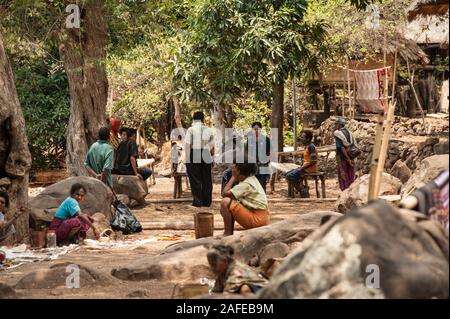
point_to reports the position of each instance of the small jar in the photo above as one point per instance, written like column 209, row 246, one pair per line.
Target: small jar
column 51, row 238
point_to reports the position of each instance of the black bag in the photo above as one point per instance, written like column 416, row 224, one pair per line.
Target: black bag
column 353, row 151
column 123, row 219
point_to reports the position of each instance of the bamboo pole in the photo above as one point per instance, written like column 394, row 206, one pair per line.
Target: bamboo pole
column 349, row 88
column 411, row 85
column 343, row 97
column 372, row 194
column 386, row 136
column 294, row 113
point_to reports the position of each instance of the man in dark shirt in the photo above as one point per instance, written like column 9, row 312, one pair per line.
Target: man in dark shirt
column 145, row 172
column 126, row 158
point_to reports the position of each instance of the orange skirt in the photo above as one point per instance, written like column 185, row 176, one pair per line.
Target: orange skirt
column 248, row 218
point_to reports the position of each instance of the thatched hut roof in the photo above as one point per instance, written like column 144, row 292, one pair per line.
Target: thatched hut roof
column 427, row 8
column 431, row 29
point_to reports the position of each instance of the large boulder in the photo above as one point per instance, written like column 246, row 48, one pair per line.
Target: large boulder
column 441, row 148
column 251, row 242
column 184, row 265
column 187, row 260
column 57, row 275
column 132, row 186
column 401, row 171
column 377, row 251
column 6, row 292
column 98, row 199
column 427, row 171
column 357, row 194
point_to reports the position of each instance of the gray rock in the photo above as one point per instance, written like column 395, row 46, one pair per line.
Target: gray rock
column 56, row 276
column 187, row 264
column 98, row 199
column 272, row 251
column 357, row 194
column 7, row 292
column 187, row 260
column 441, row 148
column 124, row 199
column 429, row 168
column 401, row 171
column 342, row 259
column 131, row 186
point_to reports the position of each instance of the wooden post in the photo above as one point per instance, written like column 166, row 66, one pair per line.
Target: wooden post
column 373, row 194
column 411, row 85
column 294, row 113
column 386, row 136
column 349, row 88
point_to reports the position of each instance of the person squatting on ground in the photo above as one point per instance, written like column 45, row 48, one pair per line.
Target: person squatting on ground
column 345, row 165
column 245, row 202
column 199, row 148
column 69, row 222
column 100, row 158
column 296, row 176
column 7, row 226
column 233, row 276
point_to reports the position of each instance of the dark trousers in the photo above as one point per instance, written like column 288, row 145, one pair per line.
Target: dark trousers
column 201, row 183
column 145, row 172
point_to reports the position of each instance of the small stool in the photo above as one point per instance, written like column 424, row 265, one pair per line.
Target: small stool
column 316, row 176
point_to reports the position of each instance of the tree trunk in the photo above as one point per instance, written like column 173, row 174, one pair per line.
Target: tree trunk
column 15, row 157
column 177, row 114
column 83, row 52
column 218, row 118
column 277, row 118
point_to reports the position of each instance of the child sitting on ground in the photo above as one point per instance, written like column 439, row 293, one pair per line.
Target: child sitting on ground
column 232, row 276
column 245, row 202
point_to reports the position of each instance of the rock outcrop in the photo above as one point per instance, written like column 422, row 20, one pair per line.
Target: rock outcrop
column 132, row 186
column 357, row 194
column 376, row 251
column 429, row 169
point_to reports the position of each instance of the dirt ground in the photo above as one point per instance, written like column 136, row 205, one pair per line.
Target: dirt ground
column 152, row 216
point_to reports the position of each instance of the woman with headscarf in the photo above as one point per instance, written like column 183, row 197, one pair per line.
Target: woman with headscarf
column 346, row 166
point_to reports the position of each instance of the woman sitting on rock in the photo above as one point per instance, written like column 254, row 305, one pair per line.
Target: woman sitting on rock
column 232, row 276
column 69, row 222
column 245, row 202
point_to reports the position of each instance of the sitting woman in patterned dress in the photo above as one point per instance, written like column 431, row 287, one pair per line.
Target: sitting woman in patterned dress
column 69, row 222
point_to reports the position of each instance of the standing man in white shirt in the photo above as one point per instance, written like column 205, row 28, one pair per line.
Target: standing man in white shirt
column 199, row 158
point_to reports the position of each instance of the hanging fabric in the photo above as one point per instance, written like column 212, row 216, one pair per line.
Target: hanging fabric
column 369, row 94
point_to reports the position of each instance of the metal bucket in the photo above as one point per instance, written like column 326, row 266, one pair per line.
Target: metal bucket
column 204, row 224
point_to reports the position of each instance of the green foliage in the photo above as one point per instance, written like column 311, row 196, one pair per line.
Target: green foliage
column 43, row 95
column 233, row 46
